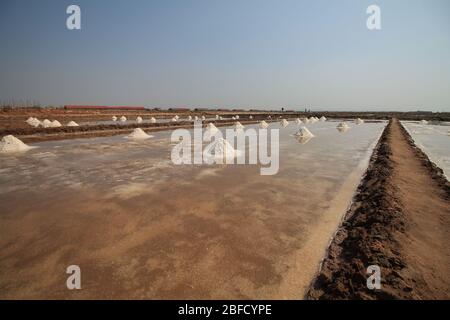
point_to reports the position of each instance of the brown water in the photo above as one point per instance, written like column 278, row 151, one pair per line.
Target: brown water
column 140, row 227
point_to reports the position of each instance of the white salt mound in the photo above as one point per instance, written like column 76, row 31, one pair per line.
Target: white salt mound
column 424, row 122
column 217, row 116
column 298, row 121
column 263, row 125
column 250, row 117
column 174, row 119
column 139, row 119
column 114, row 118
column 152, row 120
column 322, row 118
column 139, row 134
column 189, row 118
column 46, row 123
column 123, row 118
column 55, row 124
column 305, row 120
column 284, row 123
column 359, row 121
column 203, row 118
column 72, row 124
column 233, row 118
column 12, row 144
column 220, row 149
column 304, row 133
column 29, row 120
column 177, row 117
column 343, row 126
column 237, row 117
column 238, row 125
column 210, row 131
column 34, row 122
column 196, row 118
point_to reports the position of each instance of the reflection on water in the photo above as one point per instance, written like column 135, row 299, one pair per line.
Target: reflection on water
column 433, row 138
column 141, row 227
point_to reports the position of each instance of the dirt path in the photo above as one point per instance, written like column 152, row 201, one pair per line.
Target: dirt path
column 400, row 221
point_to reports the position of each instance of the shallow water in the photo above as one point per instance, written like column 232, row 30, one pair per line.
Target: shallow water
column 434, row 140
column 142, row 227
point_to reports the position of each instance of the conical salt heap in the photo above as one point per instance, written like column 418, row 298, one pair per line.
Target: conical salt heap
column 114, row 118
column 196, row 118
column 305, row 120
column 298, row 121
column 189, row 118
column 217, row 117
column 72, row 124
column 55, row 124
column 152, row 120
column 263, row 125
column 284, row 123
column 342, row 127
column 220, row 149
column 237, row 117
column 10, row 143
column 304, row 132
column 139, row 134
column 34, row 122
column 139, row 119
column 359, row 121
column 238, row 125
column 424, row 122
column 46, row 123
column 123, row 118
column 174, row 119
column 250, row 117
column 322, row 118
column 210, row 131
column 203, row 118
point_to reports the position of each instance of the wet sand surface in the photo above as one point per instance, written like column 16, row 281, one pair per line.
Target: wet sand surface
column 140, row 227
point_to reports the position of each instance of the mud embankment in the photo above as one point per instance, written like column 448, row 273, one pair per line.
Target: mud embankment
column 382, row 228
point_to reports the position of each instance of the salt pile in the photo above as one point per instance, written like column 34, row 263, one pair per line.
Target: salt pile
column 233, row 118
column 305, row 120
column 139, row 120
column 220, row 149
column 10, row 143
column 123, row 118
column 189, row 118
column 284, row 123
column 263, row 125
column 269, row 117
column 72, row 124
column 322, row 118
column 203, row 118
column 196, row 118
column 114, row 118
column 152, row 120
column 177, row 117
column 424, row 122
column 298, row 121
column 304, row 132
column 312, row 120
column 342, row 127
column 238, row 125
column 210, row 131
column 34, row 122
column 174, row 119
column 359, row 121
column 138, row 134
column 46, row 123
column 237, row 117
column 55, row 124
column 250, row 117
column 217, row 117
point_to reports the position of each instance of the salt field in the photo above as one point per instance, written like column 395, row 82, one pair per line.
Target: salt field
column 141, row 227
column 434, row 139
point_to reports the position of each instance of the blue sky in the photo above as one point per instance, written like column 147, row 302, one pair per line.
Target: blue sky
column 229, row 53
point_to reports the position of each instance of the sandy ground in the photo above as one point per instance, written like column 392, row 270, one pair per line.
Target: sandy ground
column 400, row 220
